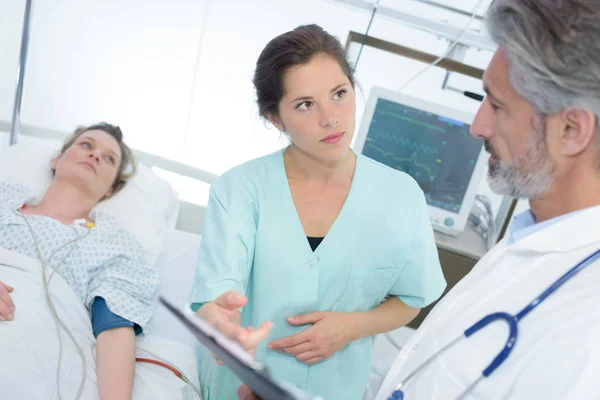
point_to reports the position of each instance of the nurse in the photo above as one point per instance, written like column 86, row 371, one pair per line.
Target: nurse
column 329, row 246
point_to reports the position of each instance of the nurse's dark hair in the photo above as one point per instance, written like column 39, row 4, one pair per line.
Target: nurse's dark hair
column 296, row 47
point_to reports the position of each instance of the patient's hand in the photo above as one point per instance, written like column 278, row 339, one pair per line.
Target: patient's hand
column 223, row 314
column 244, row 393
column 7, row 307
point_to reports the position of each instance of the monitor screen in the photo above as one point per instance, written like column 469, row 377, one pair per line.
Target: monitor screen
column 437, row 151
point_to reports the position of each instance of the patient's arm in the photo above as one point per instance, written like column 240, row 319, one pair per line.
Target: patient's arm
column 115, row 358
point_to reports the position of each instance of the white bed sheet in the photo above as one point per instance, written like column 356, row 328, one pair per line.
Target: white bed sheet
column 28, row 364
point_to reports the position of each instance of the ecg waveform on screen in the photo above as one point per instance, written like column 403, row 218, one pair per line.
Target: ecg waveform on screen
column 408, row 119
column 403, row 141
column 413, row 159
column 437, row 151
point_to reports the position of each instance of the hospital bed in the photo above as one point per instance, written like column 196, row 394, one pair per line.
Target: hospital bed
column 179, row 245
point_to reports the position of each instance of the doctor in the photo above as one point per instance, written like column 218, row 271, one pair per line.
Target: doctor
column 541, row 128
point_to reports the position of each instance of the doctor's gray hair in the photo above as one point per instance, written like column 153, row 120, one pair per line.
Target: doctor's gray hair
column 553, row 48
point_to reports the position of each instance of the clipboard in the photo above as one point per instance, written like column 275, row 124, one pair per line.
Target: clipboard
column 236, row 358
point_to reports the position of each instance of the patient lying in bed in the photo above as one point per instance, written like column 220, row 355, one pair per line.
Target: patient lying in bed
column 97, row 259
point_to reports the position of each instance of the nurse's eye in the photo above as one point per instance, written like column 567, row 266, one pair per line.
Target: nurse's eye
column 305, row 105
column 340, row 94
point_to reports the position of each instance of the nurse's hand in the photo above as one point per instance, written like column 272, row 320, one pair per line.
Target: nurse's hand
column 7, row 307
column 329, row 333
column 245, row 393
column 223, row 313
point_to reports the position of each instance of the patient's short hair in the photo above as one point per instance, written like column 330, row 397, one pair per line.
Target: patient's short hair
column 126, row 168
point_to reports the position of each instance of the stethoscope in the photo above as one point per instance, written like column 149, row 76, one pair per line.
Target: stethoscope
column 511, row 320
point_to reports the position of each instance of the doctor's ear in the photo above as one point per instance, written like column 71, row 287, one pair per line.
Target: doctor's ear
column 275, row 121
column 580, row 126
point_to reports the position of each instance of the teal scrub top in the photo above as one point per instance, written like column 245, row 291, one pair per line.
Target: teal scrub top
column 380, row 245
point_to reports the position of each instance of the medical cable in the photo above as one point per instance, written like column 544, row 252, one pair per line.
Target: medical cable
column 481, row 219
column 450, row 48
column 366, row 35
column 162, row 363
column 58, row 322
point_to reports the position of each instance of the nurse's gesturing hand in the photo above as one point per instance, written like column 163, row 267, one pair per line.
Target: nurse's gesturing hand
column 7, row 307
column 329, row 333
column 223, row 313
column 245, row 393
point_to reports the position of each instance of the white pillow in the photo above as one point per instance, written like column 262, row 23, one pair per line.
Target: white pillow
column 144, row 206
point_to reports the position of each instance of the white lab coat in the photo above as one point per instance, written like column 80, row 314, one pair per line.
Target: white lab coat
column 557, row 353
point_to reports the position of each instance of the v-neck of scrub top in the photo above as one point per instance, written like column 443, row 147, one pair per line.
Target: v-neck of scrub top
column 314, row 242
column 295, row 217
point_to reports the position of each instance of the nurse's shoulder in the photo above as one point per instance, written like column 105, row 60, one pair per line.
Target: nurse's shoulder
column 242, row 185
column 391, row 184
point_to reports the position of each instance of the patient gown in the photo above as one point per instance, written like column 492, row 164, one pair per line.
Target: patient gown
column 106, row 262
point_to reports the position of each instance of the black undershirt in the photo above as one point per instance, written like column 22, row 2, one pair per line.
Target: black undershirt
column 314, row 242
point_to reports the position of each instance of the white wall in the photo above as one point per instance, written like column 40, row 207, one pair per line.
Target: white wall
column 225, row 129
column 176, row 75
column 11, row 20
column 129, row 62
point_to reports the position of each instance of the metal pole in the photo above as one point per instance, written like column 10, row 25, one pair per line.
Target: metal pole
column 449, row 8
column 16, row 117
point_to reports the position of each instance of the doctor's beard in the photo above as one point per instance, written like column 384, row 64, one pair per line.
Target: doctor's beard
column 529, row 176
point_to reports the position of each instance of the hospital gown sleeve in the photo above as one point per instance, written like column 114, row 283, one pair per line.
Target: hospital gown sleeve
column 127, row 285
column 104, row 320
column 420, row 281
column 227, row 246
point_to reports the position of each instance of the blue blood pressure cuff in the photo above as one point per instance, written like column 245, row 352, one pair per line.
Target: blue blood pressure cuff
column 103, row 319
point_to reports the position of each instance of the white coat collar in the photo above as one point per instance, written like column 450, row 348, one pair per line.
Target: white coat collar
column 578, row 230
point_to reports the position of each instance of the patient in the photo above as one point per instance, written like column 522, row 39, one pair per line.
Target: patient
column 104, row 266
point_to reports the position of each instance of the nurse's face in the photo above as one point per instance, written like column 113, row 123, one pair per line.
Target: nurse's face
column 515, row 137
column 318, row 109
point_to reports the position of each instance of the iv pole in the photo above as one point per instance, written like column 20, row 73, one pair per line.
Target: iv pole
column 16, row 117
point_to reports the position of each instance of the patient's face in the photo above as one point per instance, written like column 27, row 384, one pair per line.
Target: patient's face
column 318, row 108
column 91, row 163
column 515, row 137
